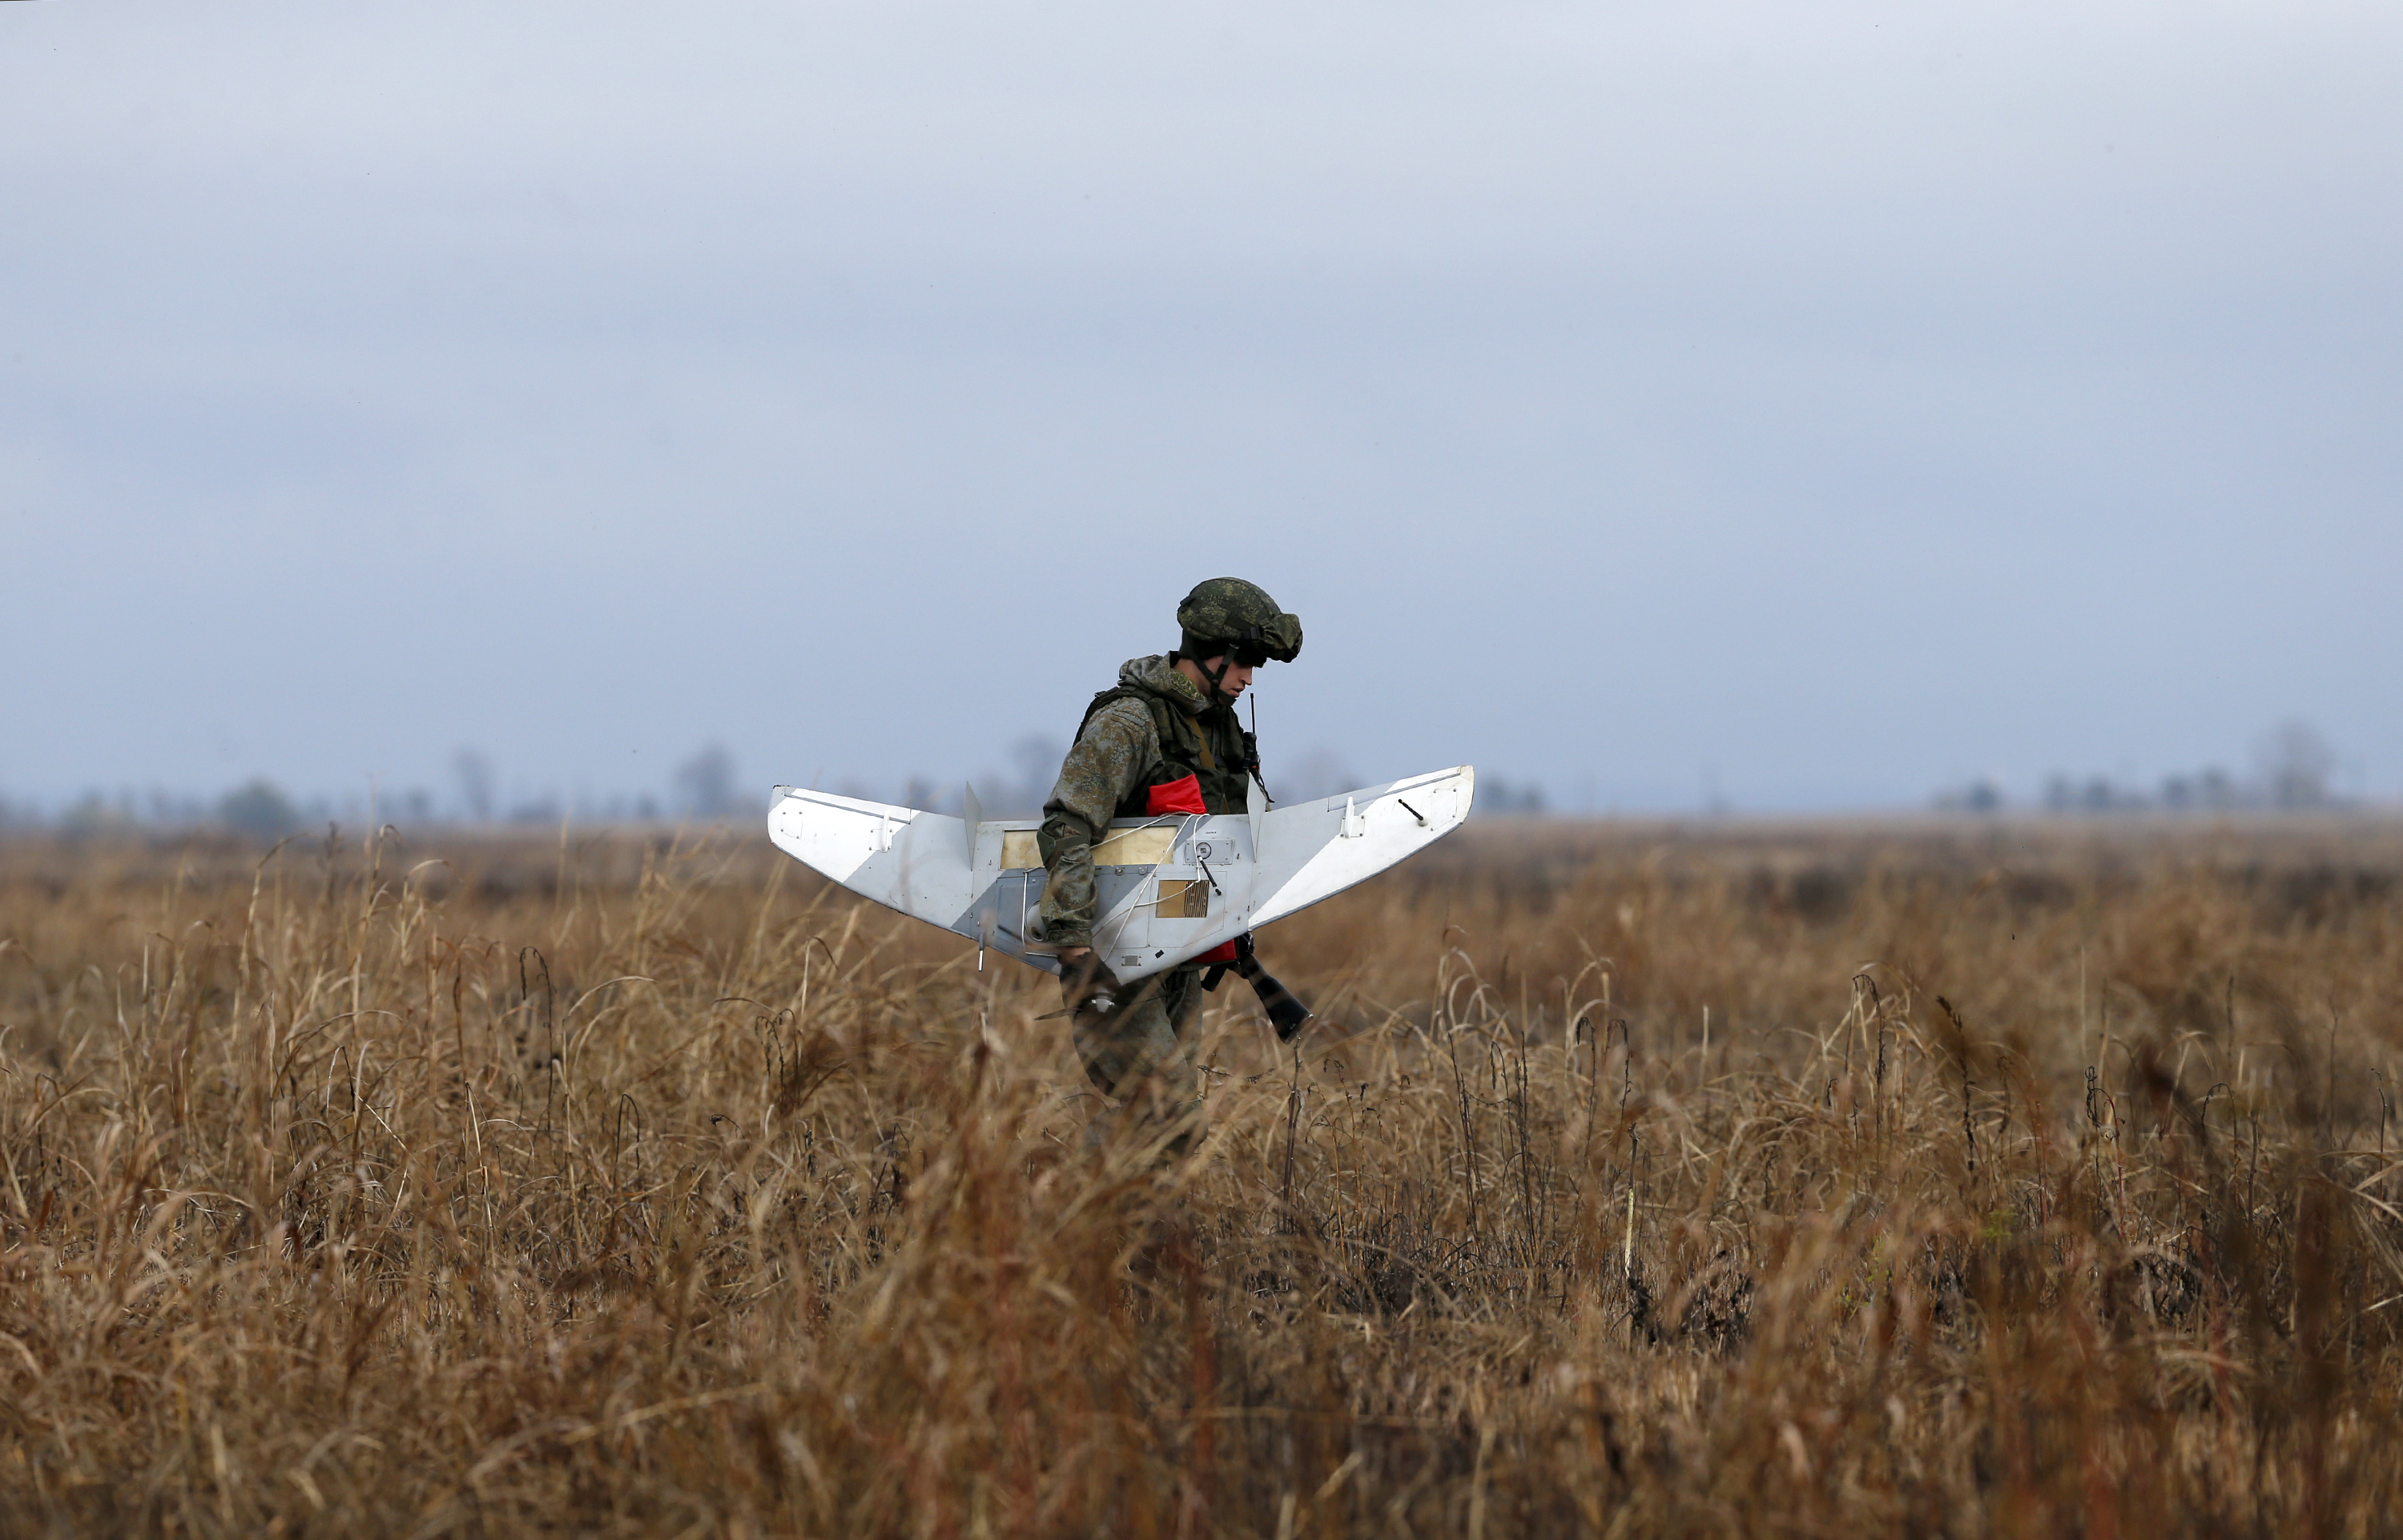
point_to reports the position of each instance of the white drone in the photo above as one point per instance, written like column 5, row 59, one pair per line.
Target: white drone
column 1169, row 887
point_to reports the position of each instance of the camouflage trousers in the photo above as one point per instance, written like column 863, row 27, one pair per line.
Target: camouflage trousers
column 1141, row 1055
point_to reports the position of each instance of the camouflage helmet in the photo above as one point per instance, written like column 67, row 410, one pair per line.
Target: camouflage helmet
column 1225, row 614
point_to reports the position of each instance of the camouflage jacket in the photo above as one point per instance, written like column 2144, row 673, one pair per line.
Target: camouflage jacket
column 1118, row 756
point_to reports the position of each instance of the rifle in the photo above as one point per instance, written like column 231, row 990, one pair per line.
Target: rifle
column 1284, row 1006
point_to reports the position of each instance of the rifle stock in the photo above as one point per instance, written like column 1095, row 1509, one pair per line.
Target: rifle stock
column 1284, row 1006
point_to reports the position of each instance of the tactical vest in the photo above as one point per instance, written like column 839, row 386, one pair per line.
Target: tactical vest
column 1211, row 746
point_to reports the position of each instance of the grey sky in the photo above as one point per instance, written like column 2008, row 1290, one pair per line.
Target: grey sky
column 1840, row 400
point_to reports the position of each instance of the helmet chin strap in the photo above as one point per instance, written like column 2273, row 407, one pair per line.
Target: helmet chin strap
column 1217, row 697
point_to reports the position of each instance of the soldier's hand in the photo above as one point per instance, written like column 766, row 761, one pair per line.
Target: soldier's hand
column 1089, row 986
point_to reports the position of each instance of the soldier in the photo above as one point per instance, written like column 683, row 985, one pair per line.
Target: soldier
column 1164, row 741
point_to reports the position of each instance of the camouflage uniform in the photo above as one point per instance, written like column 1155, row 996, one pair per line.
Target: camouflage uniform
column 1156, row 727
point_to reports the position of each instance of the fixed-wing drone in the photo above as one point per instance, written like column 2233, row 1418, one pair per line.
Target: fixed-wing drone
column 1170, row 887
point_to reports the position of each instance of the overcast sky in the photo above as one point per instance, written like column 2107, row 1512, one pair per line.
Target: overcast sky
column 1822, row 403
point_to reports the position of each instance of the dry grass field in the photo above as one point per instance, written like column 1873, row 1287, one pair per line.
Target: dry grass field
column 1960, row 1180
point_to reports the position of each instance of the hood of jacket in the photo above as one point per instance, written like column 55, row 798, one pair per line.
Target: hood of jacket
column 1155, row 675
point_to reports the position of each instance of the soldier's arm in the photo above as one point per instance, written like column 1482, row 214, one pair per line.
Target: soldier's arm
column 1108, row 761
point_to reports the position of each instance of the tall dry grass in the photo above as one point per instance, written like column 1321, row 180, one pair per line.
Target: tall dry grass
column 2017, row 1183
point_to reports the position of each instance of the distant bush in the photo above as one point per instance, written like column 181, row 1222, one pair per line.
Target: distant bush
column 705, row 784
column 1500, row 794
column 260, row 808
column 94, row 814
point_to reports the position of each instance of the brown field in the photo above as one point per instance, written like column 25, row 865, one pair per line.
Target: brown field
column 2024, row 1181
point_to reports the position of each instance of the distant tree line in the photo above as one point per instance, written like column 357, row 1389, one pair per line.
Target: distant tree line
column 705, row 788
column 2294, row 770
